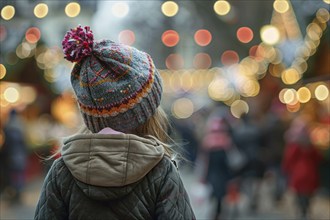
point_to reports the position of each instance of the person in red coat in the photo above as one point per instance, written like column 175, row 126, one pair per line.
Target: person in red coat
column 301, row 164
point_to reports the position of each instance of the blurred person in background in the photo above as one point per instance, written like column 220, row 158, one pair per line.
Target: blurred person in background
column 119, row 165
column 273, row 126
column 3, row 166
column 14, row 152
column 217, row 140
column 248, row 138
column 185, row 129
column 301, row 164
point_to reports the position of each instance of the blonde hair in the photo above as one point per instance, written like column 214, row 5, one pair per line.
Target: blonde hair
column 158, row 126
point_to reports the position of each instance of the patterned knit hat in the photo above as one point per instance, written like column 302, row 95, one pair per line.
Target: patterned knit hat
column 116, row 85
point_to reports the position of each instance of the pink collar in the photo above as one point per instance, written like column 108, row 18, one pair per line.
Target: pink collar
column 108, row 130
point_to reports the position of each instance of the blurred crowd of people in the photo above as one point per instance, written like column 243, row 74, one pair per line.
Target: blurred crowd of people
column 233, row 156
column 230, row 156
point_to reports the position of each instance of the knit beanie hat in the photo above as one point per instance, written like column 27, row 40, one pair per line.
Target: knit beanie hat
column 116, row 85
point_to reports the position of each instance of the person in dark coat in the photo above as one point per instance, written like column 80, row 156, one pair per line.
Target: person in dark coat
column 15, row 154
column 248, row 138
column 216, row 142
column 119, row 165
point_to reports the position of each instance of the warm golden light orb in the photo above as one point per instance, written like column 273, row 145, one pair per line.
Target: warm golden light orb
column 221, row 7
column 40, row 10
column 8, row 12
column 72, row 9
column 170, row 8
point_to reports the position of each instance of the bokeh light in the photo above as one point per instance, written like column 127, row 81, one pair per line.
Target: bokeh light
column 202, row 61
column 266, row 51
column 120, row 9
column 281, row 95
column 64, row 111
column 294, row 107
column 304, row 95
column 238, row 108
column 322, row 15
column 170, row 8
column 182, row 108
column 11, row 95
column 263, row 51
column 253, row 52
column 72, row 9
column 221, row 7
column 281, row 6
column 174, row 82
column 186, row 81
column 326, row 1
column 3, row 71
column 314, row 31
column 50, row 75
column 32, row 35
column 321, row 92
column 248, row 67
column 21, row 52
column 40, row 10
column 174, row 61
column 28, row 94
column 249, row 88
column 203, row 37
column 229, row 57
column 278, row 57
column 7, row 12
column 320, row 137
column 270, row 34
column 300, row 65
column 290, row 96
column 276, row 69
column 220, row 90
column 234, row 98
column 170, row 38
column 126, row 37
column 290, row 76
column 244, row 34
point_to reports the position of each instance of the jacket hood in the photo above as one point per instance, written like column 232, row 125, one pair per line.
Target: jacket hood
column 103, row 162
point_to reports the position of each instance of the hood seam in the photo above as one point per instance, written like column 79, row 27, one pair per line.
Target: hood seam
column 88, row 152
column 128, row 148
column 108, row 136
column 89, row 162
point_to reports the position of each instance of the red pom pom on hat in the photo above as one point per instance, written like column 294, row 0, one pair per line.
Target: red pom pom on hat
column 78, row 43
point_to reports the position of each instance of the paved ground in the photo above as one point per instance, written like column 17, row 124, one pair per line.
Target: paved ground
column 25, row 209
column 268, row 210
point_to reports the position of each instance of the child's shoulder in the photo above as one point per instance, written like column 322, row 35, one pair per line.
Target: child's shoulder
column 165, row 167
column 59, row 168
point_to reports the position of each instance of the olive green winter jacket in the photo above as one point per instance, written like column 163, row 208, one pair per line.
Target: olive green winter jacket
column 113, row 176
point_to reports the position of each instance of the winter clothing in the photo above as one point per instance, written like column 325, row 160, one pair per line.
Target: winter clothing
column 248, row 139
column 216, row 142
column 105, row 173
column 14, row 155
column 116, row 85
column 301, row 165
column 113, row 176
